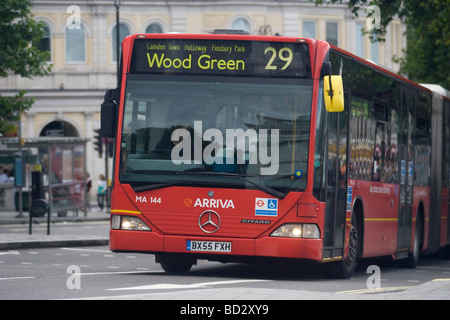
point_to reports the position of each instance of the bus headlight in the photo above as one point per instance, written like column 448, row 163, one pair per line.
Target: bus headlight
column 128, row 223
column 297, row 230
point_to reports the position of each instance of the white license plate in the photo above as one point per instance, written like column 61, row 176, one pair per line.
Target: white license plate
column 208, row 246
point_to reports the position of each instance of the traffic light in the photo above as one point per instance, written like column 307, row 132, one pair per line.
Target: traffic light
column 98, row 142
column 111, row 148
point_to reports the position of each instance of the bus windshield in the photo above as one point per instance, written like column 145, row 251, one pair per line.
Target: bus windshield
column 213, row 131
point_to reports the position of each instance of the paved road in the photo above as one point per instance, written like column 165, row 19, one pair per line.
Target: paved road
column 97, row 273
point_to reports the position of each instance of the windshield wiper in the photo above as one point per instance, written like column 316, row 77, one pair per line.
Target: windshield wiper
column 162, row 185
column 261, row 187
column 155, row 186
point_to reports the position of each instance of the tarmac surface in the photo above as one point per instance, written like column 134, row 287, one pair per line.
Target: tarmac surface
column 438, row 289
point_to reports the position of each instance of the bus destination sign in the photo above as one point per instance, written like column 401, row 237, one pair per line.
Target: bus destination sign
column 221, row 57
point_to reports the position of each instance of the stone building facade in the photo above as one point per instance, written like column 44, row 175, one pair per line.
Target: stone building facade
column 80, row 35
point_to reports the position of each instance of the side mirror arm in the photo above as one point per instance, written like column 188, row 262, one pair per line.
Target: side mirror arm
column 109, row 113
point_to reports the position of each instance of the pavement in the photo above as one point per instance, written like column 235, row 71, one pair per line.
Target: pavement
column 438, row 289
column 14, row 241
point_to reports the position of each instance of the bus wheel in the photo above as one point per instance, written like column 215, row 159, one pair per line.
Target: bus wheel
column 414, row 255
column 173, row 264
column 344, row 269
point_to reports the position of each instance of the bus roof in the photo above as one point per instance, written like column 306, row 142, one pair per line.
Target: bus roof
column 425, row 87
column 437, row 88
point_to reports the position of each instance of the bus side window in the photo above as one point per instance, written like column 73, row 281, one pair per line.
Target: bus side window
column 379, row 154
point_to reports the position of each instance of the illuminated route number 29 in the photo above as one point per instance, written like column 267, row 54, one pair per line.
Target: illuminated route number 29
column 285, row 54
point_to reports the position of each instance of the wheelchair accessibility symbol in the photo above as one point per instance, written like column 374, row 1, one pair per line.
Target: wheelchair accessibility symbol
column 272, row 204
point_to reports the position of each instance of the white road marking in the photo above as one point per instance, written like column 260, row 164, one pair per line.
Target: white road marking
column 9, row 252
column 161, row 286
column 114, row 272
column 17, row 278
column 86, row 250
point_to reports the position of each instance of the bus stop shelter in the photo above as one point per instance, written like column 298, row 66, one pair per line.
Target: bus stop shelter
column 61, row 162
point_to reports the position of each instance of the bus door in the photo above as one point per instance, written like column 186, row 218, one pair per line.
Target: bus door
column 406, row 163
column 336, row 181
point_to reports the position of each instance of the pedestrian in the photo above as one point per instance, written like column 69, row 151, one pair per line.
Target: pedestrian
column 101, row 192
column 88, row 192
column 3, row 179
column 4, row 176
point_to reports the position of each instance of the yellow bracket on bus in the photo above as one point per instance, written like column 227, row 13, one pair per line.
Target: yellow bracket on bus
column 334, row 95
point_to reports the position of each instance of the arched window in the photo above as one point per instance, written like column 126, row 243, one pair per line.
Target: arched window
column 45, row 44
column 75, row 44
column 241, row 24
column 124, row 31
column 154, row 28
column 59, row 129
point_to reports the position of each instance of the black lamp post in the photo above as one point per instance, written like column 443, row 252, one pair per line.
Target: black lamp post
column 117, row 5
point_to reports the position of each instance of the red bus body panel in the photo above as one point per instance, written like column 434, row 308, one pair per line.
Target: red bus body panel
column 381, row 203
column 380, row 216
column 173, row 215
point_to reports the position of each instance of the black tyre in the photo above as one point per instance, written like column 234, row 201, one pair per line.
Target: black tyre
column 174, row 264
column 345, row 268
column 414, row 255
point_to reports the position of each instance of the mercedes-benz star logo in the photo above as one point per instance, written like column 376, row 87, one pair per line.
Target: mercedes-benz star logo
column 209, row 221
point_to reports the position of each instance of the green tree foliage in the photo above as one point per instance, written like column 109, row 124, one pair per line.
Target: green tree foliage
column 427, row 54
column 19, row 35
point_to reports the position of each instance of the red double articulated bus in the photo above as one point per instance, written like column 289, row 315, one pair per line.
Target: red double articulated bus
column 234, row 147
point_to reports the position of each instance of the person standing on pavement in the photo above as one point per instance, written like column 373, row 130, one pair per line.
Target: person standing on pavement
column 4, row 176
column 3, row 179
column 88, row 192
column 101, row 192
